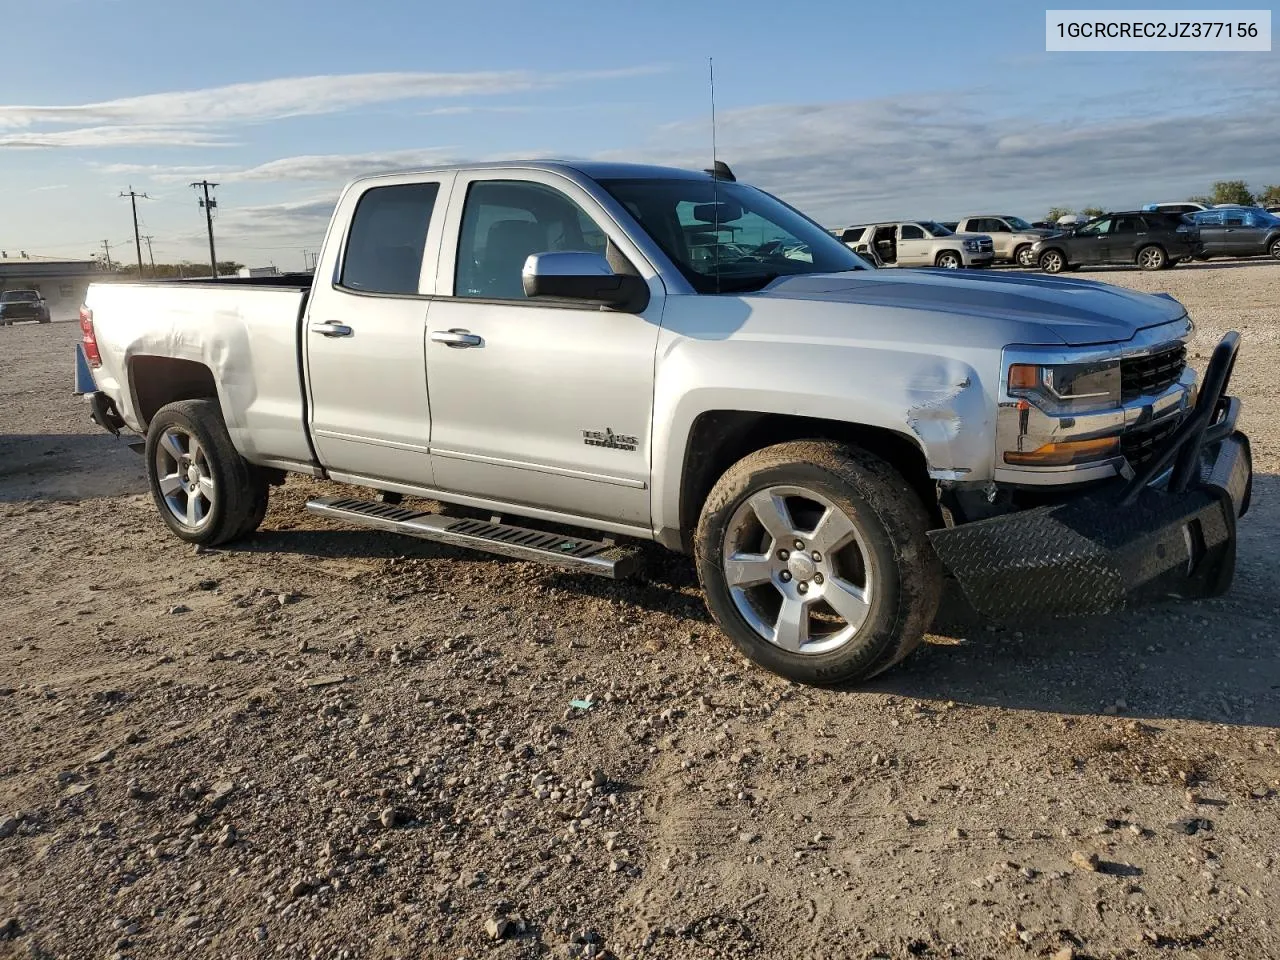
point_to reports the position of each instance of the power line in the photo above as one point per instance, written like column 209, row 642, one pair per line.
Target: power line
column 133, row 201
column 208, row 203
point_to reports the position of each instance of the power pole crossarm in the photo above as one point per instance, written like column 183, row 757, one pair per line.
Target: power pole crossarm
column 137, row 240
column 208, row 203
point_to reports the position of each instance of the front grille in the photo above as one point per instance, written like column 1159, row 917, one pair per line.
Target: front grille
column 985, row 246
column 1152, row 374
column 1140, row 444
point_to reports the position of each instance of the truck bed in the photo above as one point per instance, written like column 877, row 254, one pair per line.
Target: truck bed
column 240, row 334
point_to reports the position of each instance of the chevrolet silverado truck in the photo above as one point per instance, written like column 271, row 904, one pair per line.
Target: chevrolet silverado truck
column 536, row 347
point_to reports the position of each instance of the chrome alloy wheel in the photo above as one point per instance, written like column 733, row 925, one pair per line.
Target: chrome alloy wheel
column 1150, row 258
column 185, row 479
column 798, row 570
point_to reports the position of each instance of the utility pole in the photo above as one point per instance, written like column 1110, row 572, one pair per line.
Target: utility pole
column 208, row 203
column 106, row 245
column 137, row 241
column 151, row 255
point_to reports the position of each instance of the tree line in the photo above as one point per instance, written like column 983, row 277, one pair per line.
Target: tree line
column 174, row 271
column 1224, row 191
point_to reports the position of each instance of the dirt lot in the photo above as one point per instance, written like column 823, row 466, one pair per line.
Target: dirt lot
column 329, row 743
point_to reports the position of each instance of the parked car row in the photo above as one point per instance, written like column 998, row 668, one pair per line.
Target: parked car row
column 1158, row 236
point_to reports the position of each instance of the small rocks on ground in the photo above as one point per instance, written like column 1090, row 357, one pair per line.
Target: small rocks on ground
column 10, row 927
column 1085, row 861
column 499, row 928
column 8, row 827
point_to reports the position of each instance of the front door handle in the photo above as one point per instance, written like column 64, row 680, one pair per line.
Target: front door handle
column 332, row 329
column 457, row 338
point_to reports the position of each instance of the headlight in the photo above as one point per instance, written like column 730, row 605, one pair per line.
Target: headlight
column 971, row 246
column 1067, row 387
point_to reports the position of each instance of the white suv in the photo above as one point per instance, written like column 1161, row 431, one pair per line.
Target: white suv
column 918, row 243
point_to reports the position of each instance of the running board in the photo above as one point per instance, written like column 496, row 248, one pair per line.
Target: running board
column 570, row 553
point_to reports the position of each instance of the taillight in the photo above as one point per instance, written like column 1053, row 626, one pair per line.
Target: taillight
column 88, row 338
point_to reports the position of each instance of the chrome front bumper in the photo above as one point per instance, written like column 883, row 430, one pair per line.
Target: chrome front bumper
column 1168, row 531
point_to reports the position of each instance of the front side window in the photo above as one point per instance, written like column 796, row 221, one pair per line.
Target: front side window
column 911, row 232
column 503, row 222
column 936, row 229
column 727, row 237
column 387, row 239
column 1095, row 228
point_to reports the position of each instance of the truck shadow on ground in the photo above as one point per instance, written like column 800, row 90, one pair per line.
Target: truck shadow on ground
column 1209, row 660
column 68, row 466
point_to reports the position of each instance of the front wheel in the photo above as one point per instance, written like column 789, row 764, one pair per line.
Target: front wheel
column 1024, row 256
column 1152, row 258
column 948, row 260
column 814, row 560
column 1052, row 261
column 1275, row 249
column 205, row 491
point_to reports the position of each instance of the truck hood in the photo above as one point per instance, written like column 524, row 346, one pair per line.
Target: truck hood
column 1077, row 312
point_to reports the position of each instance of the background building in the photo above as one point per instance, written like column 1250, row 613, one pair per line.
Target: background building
column 63, row 283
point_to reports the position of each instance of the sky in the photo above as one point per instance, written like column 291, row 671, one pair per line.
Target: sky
column 848, row 111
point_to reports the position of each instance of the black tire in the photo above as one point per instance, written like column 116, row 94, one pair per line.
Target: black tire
column 892, row 523
column 241, row 489
column 948, row 260
column 1023, row 253
column 1053, row 260
column 1152, row 257
column 1274, row 248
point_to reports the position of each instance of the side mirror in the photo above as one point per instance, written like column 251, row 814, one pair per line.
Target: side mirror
column 582, row 277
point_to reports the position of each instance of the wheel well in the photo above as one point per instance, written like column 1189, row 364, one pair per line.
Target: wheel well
column 1158, row 246
column 720, row 438
column 938, row 256
column 157, row 381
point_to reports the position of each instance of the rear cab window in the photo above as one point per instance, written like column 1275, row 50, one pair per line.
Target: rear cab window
column 387, row 239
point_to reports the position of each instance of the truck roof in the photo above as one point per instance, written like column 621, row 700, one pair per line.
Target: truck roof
column 595, row 169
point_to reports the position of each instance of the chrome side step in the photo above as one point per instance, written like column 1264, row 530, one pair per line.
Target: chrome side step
column 570, row 553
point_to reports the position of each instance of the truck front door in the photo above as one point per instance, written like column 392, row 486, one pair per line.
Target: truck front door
column 365, row 328
column 545, row 405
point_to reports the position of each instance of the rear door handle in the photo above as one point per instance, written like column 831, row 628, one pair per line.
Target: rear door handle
column 332, row 329
column 457, row 338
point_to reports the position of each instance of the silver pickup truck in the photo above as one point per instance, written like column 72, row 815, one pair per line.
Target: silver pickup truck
column 589, row 355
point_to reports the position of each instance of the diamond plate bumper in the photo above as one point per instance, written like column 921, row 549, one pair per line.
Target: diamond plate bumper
column 1170, row 532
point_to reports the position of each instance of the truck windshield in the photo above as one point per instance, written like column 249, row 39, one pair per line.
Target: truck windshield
column 728, row 237
column 1017, row 223
column 935, row 229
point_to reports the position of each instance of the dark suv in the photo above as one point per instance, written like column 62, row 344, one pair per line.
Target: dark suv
column 22, row 305
column 1151, row 239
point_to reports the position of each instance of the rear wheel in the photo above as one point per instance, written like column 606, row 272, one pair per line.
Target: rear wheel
column 948, row 260
column 205, row 491
column 1052, row 261
column 1152, row 258
column 814, row 560
column 1024, row 257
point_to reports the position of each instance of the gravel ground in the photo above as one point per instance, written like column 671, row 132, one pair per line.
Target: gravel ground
column 332, row 743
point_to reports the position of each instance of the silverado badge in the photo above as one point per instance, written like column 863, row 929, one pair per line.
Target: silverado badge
column 614, row 441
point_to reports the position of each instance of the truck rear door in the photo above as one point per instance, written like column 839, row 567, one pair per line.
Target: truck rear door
column 548, row 405
column 365, row 330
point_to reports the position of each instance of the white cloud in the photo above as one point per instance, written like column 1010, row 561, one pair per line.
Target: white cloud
column 179, row 117
column 113, row 136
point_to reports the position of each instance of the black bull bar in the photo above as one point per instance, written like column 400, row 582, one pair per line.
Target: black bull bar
column 1169, row 530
